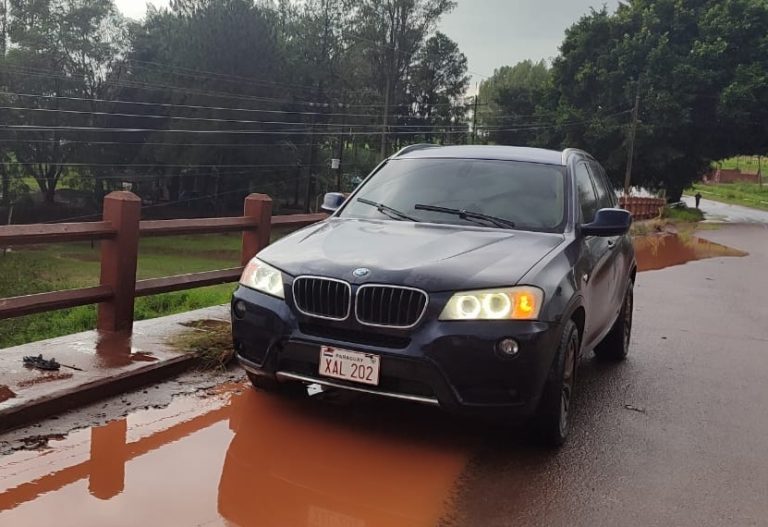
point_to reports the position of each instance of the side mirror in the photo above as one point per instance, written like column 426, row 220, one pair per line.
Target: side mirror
column 332, row 201
column 608, row 222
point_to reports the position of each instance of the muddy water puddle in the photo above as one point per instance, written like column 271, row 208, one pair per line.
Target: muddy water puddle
column 238, row 457
column 655, row 252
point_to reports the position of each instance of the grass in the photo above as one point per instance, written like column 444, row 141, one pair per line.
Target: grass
column 748, row 164
column 746, row 194
column 53, row 267
column 210, row 340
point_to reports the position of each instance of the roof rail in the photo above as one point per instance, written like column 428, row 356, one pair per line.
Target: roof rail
column 412, row 148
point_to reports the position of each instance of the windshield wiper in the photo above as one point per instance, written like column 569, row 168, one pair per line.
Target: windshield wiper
column 469, row 215
column 387, row 210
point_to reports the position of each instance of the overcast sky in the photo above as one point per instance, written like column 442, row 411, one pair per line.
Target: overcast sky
column 491, row 33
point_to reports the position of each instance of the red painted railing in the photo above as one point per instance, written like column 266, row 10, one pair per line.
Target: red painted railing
column 119, row 230
column 642, row 208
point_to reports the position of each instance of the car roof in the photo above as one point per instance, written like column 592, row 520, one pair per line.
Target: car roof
column 495, row 152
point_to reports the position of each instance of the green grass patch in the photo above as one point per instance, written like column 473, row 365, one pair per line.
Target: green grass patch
column 30, row 270
column 746, row 194
column 682, row 214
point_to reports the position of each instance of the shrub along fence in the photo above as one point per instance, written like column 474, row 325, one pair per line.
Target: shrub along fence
column 119, row 230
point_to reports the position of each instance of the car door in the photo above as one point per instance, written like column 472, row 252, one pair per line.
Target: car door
column 606, row 198
column 594, row 269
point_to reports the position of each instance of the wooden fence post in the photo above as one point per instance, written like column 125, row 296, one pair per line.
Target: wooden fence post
column 257, row 206
column 118, row 261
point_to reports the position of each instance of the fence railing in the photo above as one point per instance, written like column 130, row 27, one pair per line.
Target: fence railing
column 642, row 208
column 119, row 232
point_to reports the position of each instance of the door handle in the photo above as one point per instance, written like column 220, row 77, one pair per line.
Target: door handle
column 611, row 244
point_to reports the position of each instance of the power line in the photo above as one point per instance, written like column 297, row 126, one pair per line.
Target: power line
column 193, row 119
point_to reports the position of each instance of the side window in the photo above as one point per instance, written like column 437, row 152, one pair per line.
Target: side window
column 605, row 197
column 587, row 196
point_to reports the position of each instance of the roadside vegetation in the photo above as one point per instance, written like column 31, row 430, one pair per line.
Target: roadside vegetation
column 674, row 218
column 746, row 194
column 64, row 266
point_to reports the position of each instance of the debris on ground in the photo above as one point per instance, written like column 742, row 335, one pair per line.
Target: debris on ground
column 44, row 378
column 635, row 409
column 210, row 340
column 41, row 364
column 6, row 393
column 40, row 441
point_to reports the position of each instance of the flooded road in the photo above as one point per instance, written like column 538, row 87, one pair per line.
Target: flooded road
column 242, row 458
column 676, row 435
column 666, row 250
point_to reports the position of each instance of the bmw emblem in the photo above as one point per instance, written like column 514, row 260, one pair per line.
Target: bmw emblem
column 362, row 272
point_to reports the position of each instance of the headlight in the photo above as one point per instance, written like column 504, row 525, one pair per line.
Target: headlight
column 514, row 303
column 264, row 278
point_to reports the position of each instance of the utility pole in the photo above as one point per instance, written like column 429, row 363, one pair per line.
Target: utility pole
column 631, row 146
column 474, row 115
column 385, row 120
column 340, row 157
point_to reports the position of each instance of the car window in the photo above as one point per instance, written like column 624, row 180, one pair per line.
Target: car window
column 529, row 194
column 586, row 191
column 604, row 191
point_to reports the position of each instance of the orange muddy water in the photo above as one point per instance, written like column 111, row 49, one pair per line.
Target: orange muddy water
column 655, row 252
column 238, row 457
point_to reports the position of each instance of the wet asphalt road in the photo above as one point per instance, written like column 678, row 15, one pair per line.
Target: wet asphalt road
column 677, row 435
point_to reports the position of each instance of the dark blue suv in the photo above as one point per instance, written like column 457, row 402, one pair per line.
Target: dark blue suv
column 468, row 277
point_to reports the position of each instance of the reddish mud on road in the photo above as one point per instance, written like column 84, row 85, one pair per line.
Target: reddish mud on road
column 676, row 435
column 242, row 458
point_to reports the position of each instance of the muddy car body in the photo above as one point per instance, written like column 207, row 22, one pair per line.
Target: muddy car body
column 472, row 278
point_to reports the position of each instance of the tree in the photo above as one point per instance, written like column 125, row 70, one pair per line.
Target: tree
column 390, row 33
column 700, row 69
column 437, row 83
column 512, row 103
column 58, row 48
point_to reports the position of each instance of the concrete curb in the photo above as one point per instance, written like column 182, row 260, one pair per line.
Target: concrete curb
column 60, row 401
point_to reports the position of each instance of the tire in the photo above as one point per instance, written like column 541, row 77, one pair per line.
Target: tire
column 615, row 345
column 269, row 384
column 552, row 421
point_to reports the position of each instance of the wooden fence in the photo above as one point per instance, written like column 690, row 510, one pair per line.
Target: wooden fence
column 119, row 231
column 642, row 208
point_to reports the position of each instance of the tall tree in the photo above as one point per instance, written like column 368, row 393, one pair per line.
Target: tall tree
column 437, row 83
column 390, row 32
column 512, row 103
column 700, row 68
column 58, row 48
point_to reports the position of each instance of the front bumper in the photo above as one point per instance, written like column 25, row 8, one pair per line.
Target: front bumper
column 453, row 364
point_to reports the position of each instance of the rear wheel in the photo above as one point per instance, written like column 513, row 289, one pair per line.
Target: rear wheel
column 615, row 345
column 552, row 421
column 270, row 384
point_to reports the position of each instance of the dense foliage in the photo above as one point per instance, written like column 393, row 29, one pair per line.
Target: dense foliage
column 207, row 100
column 699, row 66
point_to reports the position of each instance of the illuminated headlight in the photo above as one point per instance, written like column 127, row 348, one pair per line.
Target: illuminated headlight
column 515, row 303
column 263, row 277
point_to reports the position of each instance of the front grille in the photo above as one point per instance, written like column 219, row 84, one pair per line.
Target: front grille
column 390, row 306
column 322, row 297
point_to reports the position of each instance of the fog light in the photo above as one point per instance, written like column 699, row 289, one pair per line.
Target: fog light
column 508, row 347
column 239, row 308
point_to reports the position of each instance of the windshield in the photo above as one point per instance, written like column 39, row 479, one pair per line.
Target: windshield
column 529, row 195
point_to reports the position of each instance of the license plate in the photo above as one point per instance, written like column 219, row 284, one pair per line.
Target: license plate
column 350, row 365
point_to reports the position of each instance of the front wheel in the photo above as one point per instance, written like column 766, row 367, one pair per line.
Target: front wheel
column 552, row 421
column 615, row 345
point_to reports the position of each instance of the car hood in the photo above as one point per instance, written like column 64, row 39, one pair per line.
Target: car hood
column 428, row 256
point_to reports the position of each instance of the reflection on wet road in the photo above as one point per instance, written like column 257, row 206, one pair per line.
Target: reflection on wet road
column 243, row 458
column 666, row 250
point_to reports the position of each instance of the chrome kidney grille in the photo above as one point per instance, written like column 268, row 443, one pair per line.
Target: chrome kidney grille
column 322, row 297
column 375, row 305
column 390, row 306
